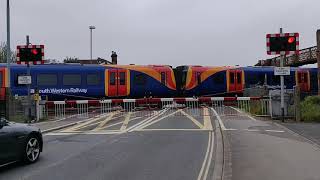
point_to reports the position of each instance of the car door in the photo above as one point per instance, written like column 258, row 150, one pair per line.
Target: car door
column 8, row 149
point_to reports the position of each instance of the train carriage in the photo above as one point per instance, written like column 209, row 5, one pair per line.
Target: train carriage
column 140, row 81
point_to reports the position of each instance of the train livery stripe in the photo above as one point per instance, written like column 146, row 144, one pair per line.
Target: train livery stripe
column 228, row 80
column 128, row 82
column 106, row 82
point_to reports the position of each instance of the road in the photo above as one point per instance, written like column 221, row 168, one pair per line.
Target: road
column 172, row 144
column 166, row 144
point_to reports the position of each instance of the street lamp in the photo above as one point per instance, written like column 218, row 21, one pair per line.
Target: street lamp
column 91, row 28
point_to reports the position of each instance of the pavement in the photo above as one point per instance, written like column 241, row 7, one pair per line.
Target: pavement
column 197, row 144
column 264, row 150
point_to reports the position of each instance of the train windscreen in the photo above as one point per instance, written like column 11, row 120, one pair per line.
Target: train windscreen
column 180, row 74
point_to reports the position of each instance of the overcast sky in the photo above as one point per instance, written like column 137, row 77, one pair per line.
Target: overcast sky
column 175, row 32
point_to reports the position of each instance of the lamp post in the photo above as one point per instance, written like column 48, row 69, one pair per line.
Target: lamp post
column 91, row 28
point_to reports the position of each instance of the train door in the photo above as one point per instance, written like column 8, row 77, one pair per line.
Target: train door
column 117, row 82
column 235, row 81
column 302, row 77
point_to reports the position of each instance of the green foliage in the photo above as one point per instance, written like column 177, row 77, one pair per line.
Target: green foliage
column 3, row 54
column 310, row 109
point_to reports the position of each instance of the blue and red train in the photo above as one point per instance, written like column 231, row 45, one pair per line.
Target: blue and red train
column 73, row 81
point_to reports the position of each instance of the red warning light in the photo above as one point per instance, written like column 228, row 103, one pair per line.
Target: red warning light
column 291, row 40
column 34, row 51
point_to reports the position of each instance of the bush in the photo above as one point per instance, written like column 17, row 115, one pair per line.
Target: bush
column 310, row 109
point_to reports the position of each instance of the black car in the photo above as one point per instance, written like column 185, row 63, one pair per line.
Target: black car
column 19, row 142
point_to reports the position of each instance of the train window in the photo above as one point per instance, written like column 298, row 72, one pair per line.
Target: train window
column 112, row 80
column 198, row 75
column 163, row 77
column 93, row 79
column 140, row 79
column 231, row 77
column 218, row 78
column 72, row 79
column 47, row 79
column 239, row 78
column 122, row 78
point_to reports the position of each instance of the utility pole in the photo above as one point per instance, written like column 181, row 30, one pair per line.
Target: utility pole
column 318, row 58
column 282, row 59
column 28, row 74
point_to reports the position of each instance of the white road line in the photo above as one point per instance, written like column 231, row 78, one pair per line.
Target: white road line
column 210, row 157
column 171, row 130
column 219, row 120
column 205, row 158
column 85, row 133
column 279, row 131
column 252, row 130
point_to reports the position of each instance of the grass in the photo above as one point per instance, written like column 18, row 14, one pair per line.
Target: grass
column 310, row 109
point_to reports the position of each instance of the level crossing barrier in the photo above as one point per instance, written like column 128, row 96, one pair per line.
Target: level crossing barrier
column 129, row 105
column 83, row 108
column 105, row 106
column 223, row 105
column 59, row 109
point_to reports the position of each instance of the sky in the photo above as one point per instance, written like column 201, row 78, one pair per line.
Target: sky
column 173, row 32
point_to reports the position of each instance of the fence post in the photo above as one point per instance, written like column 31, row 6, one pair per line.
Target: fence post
column 297, row 108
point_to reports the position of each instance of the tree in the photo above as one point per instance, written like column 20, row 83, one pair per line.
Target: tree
column 3, row 54
column 71, row 60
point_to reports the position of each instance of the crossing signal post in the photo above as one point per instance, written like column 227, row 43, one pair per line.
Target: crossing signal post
column 283, row 44
column 30, row 54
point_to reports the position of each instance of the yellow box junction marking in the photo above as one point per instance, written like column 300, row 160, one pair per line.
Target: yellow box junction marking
column 125, row 122
column 74, row 128
column 192, row 119
column 207, row 120
column 103, row 123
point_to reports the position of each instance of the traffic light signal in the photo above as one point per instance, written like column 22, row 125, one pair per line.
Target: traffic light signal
column 30, row 54
column 288, row 43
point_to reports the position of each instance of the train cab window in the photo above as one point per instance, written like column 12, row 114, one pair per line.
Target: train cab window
column 47, row 79
column 140, row 79
column 239, row 78
column 163, row 77
column 198, row 76
column 93, row 79
column 72, row 79
column 231, row 77
column 122, row 78
column 112, row 80
column 218, row 78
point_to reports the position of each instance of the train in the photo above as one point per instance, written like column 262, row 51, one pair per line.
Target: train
column 75, row 81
